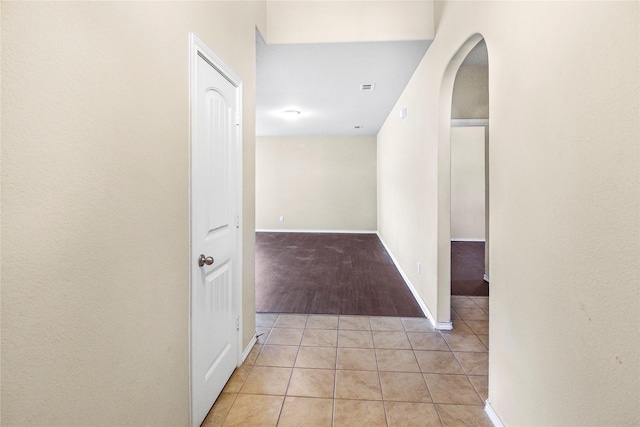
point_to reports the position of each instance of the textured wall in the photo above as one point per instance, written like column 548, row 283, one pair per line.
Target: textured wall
column 349, row 21
column 316, row 183
column 95, row 208
column 564, row 196
column 467, row 183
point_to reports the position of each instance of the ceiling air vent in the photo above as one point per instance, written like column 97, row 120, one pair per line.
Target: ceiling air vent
column 368, row 87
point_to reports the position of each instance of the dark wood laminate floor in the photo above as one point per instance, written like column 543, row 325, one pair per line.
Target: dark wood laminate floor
column 318, row 273
column 467, row 269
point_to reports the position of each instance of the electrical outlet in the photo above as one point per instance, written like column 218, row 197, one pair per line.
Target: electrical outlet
column 281, row 218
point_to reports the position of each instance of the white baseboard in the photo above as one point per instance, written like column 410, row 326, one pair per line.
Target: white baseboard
column 282, row 230
column 248, row 349
column 423, row 306
column 469, row 122
column 495, row 419
column 464, row 239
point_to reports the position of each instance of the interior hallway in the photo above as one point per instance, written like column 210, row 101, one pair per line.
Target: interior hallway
column 325, row 370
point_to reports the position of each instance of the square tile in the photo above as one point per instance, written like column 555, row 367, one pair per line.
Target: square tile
column 472, row 313
column 237, row 379
column 438, row 362
column 320, row 337
column 484, row 339
column 316, row 357
column 311, row 383
column 285, row 336
column 277, row 355
column 462, row 302
column 267, row 380
column 393, row 340
column 265, row 320
column 463, row 415
column 291, row 321
column 396, row 360
column 349, row 338
column 474, row 363
column 357, row 359
column 404, row 387
column 254, row 411
column 253, row 355
column 350, row 413
column 482, row 302
column 219, row 411
column 303, row 411
column 402, row 414
column 358, row 385
column 458, row 342
column 322, row 322
column 262, row 334
column 460, row 328
column 454, row 389
column 358, row 323
column 417, row 324
column 479, row 327
column 427, row 341
column 386, row 324
column 481, row 384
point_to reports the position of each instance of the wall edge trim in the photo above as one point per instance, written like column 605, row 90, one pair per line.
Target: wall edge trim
column 295, row 230
column 248, row 349
column 493, row 416
column 469, row 122
column 414, row 291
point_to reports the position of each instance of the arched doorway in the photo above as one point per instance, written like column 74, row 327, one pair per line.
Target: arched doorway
column 444, row 175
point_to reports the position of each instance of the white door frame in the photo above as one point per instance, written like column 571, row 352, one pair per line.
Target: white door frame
column 198, row 48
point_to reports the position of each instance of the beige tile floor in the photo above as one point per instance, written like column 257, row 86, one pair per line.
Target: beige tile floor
column 322, row 370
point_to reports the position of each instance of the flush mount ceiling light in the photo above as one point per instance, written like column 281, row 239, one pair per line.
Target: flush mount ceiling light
column 290, row 114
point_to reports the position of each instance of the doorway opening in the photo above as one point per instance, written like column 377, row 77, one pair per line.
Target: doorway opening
column 469, row 143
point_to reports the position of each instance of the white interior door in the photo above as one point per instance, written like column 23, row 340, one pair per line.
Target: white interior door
column 215, row 274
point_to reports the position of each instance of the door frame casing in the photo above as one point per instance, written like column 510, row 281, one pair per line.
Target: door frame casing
column 198, row 48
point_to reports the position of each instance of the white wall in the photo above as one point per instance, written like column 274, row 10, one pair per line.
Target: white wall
column 316, row 183
column 467, row 183
column 95, row 205
column 564, row 201
column 348, row 21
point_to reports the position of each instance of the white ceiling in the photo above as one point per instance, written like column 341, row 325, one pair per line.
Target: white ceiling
column 322, row 81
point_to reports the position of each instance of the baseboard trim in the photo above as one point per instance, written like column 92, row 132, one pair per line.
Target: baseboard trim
column 416, row 295
column 464, row 239
column 491, row 413
column 248, row 349
column 469, row 122
column 282, row 230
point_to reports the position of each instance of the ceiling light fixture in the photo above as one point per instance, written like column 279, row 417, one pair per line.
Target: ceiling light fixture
column 290, row 114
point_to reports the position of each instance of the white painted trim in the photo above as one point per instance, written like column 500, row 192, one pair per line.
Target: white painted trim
column 485, row 277
column 423, row 306
column 282, row 230
column 247, row 350
column 469, row 122
column 455, row 239
column 491, row 413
